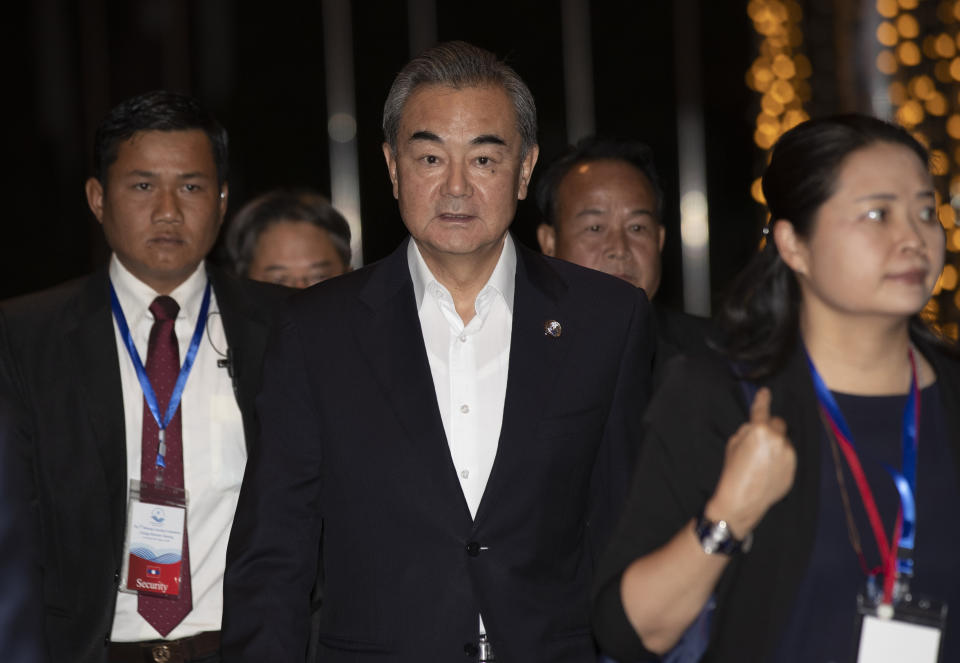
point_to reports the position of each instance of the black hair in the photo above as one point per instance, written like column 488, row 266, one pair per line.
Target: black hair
column 759, row 320
column 281, row 205
column 595, row 148
column 159, row 110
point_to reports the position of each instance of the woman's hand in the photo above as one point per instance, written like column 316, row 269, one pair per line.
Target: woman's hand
column 757, row 471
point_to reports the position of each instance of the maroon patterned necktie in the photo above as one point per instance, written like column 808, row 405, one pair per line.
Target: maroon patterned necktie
column 163, row 367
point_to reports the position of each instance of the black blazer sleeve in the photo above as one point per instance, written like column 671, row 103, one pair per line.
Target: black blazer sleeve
column 21, row 614
column 686, row 430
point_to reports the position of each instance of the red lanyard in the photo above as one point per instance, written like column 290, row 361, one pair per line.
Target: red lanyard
column 888, row 548
column 888, row 552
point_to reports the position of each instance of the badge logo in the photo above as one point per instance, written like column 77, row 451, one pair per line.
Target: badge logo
column 157, row 515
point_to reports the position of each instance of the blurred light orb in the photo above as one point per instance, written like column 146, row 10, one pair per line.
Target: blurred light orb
column 897, row 93
column 909, row 54
column 910, row 114
column 783, row 67
column 937, row 104
column 887, row 8
column 939, row 162
column 947, row 216
column 887, row 63
column 945, row 46
column 948, row 277
column 342, row 127
column 907, row 26
column 887, row 34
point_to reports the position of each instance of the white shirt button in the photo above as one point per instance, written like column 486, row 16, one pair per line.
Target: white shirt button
column 465, row 474
column 465, row 408
column 463, row 338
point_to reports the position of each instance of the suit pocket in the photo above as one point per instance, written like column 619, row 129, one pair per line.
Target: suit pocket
column 349, row 643
column 572, row 633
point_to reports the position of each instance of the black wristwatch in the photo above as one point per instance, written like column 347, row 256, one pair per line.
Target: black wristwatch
column 716, row 537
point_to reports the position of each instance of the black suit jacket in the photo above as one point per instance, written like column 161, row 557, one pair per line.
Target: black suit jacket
column 353, row 444
column 678, row 334
column 58, row 356
column 20, row 611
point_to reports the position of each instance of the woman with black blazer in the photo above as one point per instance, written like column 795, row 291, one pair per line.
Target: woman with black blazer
column 775, row 479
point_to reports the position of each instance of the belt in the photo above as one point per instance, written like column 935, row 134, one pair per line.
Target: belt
column 183, row 650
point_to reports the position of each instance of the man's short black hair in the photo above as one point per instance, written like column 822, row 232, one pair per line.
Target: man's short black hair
column 595, row 148
column 159, row 110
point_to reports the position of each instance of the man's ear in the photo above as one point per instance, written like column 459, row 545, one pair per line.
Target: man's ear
column 94, row 190
column 791, row 247
column 391, row 160
column 663, row 236
column 547, row 236
column 526, row 170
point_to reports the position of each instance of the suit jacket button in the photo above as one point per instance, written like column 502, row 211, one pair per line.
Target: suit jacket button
column 471, row 649
column 473, row 548
column 116, row 578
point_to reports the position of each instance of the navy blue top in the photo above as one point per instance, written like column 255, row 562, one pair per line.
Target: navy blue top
column 823, row 622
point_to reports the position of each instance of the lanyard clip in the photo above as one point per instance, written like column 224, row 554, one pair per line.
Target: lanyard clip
column 904, row 563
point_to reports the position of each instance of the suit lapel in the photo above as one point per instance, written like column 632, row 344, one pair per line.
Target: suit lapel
column 389, row 335
column 534, row 360
column 91, row 344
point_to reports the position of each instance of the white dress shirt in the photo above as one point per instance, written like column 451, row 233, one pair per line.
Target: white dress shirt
column 469, row 364
column 214, row 452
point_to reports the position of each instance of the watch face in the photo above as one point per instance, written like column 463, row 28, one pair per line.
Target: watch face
column 709, row 545
column 716, row 537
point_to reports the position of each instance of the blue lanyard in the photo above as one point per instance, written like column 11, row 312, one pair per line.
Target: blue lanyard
column 148, row 393
column 905, row 479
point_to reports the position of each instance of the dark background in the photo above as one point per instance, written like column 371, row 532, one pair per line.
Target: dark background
column 260, row 68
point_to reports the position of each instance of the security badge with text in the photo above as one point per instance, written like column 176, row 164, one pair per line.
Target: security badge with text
column 154, row 547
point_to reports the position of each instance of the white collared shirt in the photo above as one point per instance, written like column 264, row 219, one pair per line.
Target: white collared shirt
column 469, row 364
column 214, row 451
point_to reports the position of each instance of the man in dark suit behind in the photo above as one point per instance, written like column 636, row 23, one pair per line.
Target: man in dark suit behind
column 465, row 450
column 159, row 190
column 602, row 207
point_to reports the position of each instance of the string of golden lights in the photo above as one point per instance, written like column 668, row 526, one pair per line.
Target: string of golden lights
column 780, row 73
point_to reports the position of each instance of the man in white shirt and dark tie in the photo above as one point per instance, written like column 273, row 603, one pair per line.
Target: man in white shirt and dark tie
column 134, row 388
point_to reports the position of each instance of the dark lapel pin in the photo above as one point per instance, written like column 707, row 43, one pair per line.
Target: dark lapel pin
column 552, row 328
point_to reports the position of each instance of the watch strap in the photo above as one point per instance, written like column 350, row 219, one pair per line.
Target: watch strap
column 716, row 537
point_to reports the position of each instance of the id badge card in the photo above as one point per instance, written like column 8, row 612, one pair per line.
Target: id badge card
column 910, row 631
column 153, row 551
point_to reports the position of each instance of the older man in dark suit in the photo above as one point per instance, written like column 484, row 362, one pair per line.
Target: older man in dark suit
column 466, row 448
column 136, row 386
